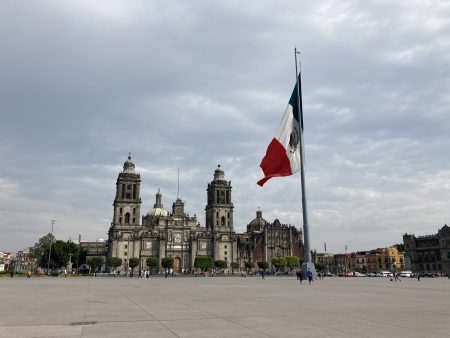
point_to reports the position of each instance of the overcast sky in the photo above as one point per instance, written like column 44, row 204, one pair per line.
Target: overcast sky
column 191, row 85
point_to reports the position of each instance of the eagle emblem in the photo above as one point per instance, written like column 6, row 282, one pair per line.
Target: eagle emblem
column 294, row 140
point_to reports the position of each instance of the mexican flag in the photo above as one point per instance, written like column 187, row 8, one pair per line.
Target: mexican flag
column 283, row 153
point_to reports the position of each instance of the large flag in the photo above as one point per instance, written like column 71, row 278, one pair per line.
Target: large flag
column 283, row 154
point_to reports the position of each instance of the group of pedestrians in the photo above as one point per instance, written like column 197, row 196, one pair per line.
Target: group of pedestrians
column 144, row 274
column 309, row 275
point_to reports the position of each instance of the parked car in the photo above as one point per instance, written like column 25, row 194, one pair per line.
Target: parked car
column 406, row 274
column 385, row 274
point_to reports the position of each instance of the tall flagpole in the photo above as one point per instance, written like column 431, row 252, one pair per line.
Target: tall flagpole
column 308, row 264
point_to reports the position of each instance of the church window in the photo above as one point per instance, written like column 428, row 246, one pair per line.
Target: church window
column 125, row 253
column 123, row 191
column 222, row 221
column 217, row 197
column 226, row 247
column 120, row 220
column 225, row 252
column 127, row 218
column 126, row 246
column 217, row 222
column 134, row 220
column 228, row 197
column 134, row 191
column 120, row 211
column 217, row 214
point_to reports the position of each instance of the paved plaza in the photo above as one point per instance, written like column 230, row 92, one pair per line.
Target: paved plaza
column 223, row 307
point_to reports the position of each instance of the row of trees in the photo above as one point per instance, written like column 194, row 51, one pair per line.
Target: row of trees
column 289, row 262
column 61, row 252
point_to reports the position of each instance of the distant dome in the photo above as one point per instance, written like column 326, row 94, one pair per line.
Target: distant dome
column 158, row 212
column 158, row 209
column 128, row 166
column 258, row 223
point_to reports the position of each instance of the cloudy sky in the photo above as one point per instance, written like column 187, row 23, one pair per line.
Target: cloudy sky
column 191, row 85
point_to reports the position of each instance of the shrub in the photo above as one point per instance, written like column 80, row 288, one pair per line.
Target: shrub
column 263, row 265
column 203, row 262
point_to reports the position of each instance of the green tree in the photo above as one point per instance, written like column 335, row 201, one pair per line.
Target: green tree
column 249, row 265
column 61, row 252
column 263, row 265
column 203, row 262
column 279, row 262
column 292, row 262
column 320, row 267
column 114, row 262
column 95, row 262
column 234, row 266
column 40, row 249
column 220, row 264
column 132, row 263
column 167, row 263
column 152, row 262
column 276, row 263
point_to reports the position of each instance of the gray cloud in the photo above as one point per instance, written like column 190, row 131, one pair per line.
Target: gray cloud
column 191, row 85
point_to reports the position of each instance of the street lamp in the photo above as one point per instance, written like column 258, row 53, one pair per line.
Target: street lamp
column 78, row 256
column 50, row 251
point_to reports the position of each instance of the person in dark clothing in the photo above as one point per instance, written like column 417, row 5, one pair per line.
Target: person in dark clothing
column 309, row 274
column 300, row 276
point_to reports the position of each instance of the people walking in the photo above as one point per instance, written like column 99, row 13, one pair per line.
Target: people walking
column 396, row 278
column 300, row 276
column 309, row 274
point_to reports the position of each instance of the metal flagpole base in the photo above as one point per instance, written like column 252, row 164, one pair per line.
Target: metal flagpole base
column 311, row 267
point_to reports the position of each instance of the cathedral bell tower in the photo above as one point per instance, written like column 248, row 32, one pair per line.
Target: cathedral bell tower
column 219, row 210
column 127, row 203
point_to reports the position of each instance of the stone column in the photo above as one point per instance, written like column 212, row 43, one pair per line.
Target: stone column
column 193, row 252
column 162, row 252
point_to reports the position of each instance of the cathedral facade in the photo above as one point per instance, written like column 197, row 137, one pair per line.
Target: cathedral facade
column 175, row 234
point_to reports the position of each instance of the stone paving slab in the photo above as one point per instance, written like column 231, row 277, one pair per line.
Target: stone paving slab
column 223, row 307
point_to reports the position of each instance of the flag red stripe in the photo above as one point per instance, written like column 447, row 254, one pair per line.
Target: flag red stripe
column 275, row 163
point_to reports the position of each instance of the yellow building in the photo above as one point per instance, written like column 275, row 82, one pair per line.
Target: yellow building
column 392, row 259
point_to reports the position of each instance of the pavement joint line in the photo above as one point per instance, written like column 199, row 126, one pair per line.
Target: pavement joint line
column 213, row 317
column 85, row 307
column 223, row 318
column 148, row 313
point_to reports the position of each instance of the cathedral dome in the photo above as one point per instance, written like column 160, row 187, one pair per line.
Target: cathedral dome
column 258, row 223
column 158, row 212
column 128, row 166
column 158, row 209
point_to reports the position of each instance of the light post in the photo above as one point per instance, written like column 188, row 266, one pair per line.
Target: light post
column 50, row 251
column 78, row 256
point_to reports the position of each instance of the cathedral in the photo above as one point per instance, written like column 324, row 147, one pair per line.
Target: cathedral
column 175, row 234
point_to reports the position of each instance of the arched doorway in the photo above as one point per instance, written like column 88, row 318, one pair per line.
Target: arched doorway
column 177, row 265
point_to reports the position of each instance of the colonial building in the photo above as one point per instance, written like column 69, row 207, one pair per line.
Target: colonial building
column 428, row 254
column 178, row 235
column 264, row 241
